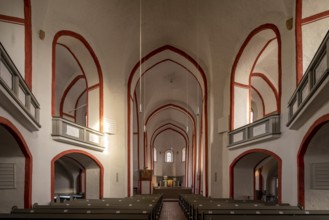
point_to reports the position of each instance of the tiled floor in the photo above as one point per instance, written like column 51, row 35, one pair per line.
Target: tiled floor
column 171, row 211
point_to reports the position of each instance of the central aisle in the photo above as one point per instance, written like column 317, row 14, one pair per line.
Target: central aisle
column 171, row 211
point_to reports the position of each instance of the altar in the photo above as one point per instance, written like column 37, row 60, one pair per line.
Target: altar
column 169, row 181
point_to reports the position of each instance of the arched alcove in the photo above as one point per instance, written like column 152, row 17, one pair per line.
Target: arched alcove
column 77, row 81
column 312, row 159
column 256, row 170
column 16, row 159
column 77, row 172
column 256, row 74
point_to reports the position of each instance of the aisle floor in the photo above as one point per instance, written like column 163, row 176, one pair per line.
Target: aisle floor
column 171, row 211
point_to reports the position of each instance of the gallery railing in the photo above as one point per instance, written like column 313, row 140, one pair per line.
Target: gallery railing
column 15, row 95
column 69, row 132
column 313, row 81
column 260, row 130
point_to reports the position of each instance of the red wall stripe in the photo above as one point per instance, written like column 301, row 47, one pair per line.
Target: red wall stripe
column 315, row 17
column 28, row 43
column 299, row 41
column 137, row 120
column 12, row 20
column 241, row 85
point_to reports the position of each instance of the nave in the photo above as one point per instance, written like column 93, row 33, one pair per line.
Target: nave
column 226, row 101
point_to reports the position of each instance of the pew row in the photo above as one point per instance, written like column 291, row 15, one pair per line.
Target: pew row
column 137, row 207
column 197, row 207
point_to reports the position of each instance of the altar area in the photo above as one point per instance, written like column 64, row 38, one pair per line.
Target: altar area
column 169, row 181
column 170, row 186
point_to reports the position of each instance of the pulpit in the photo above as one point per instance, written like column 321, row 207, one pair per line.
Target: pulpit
column 145, row 180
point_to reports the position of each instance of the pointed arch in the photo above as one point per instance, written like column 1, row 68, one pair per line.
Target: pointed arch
column 198, row 73
column 81, row 39
column 246, row 84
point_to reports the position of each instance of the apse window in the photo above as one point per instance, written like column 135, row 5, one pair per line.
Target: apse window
column 183, row 154
column 169, row 156
column 155, row 155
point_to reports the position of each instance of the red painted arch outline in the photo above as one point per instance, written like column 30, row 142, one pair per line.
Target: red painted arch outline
column 174, row 130
column 187, row 146
column 96, row 62
column 237, row 59
column 52, row 171
column 28, row 160
column 261, row 98
column 66, row 91
column 314, row 128
column 267, row 152
column 205, row 107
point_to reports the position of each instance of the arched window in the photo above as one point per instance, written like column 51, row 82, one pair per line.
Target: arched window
column 155, row 155
column 183, row 154
column 252, row 116
column 169, row 156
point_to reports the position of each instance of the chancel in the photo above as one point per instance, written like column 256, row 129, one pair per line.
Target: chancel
column 166, row 109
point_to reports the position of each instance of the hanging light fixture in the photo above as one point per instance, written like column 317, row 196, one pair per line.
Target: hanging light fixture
column 140, row 56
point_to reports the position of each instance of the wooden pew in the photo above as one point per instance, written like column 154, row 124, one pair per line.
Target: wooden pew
column 137, row 207
column 201, row 208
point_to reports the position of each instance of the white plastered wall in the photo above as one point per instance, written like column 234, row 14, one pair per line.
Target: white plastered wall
column 12, row 36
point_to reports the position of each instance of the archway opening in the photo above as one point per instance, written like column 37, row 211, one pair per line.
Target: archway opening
column 15, row 168
column 183, row 86
column 76, row 174
column 313, row 166
column 256, row 175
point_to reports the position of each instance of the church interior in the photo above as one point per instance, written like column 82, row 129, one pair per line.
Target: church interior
column 151, row 102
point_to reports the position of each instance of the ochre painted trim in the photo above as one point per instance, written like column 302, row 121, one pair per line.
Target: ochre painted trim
column 313, row 129
column 52, row 171
column 270, row 153
column 28, row 159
